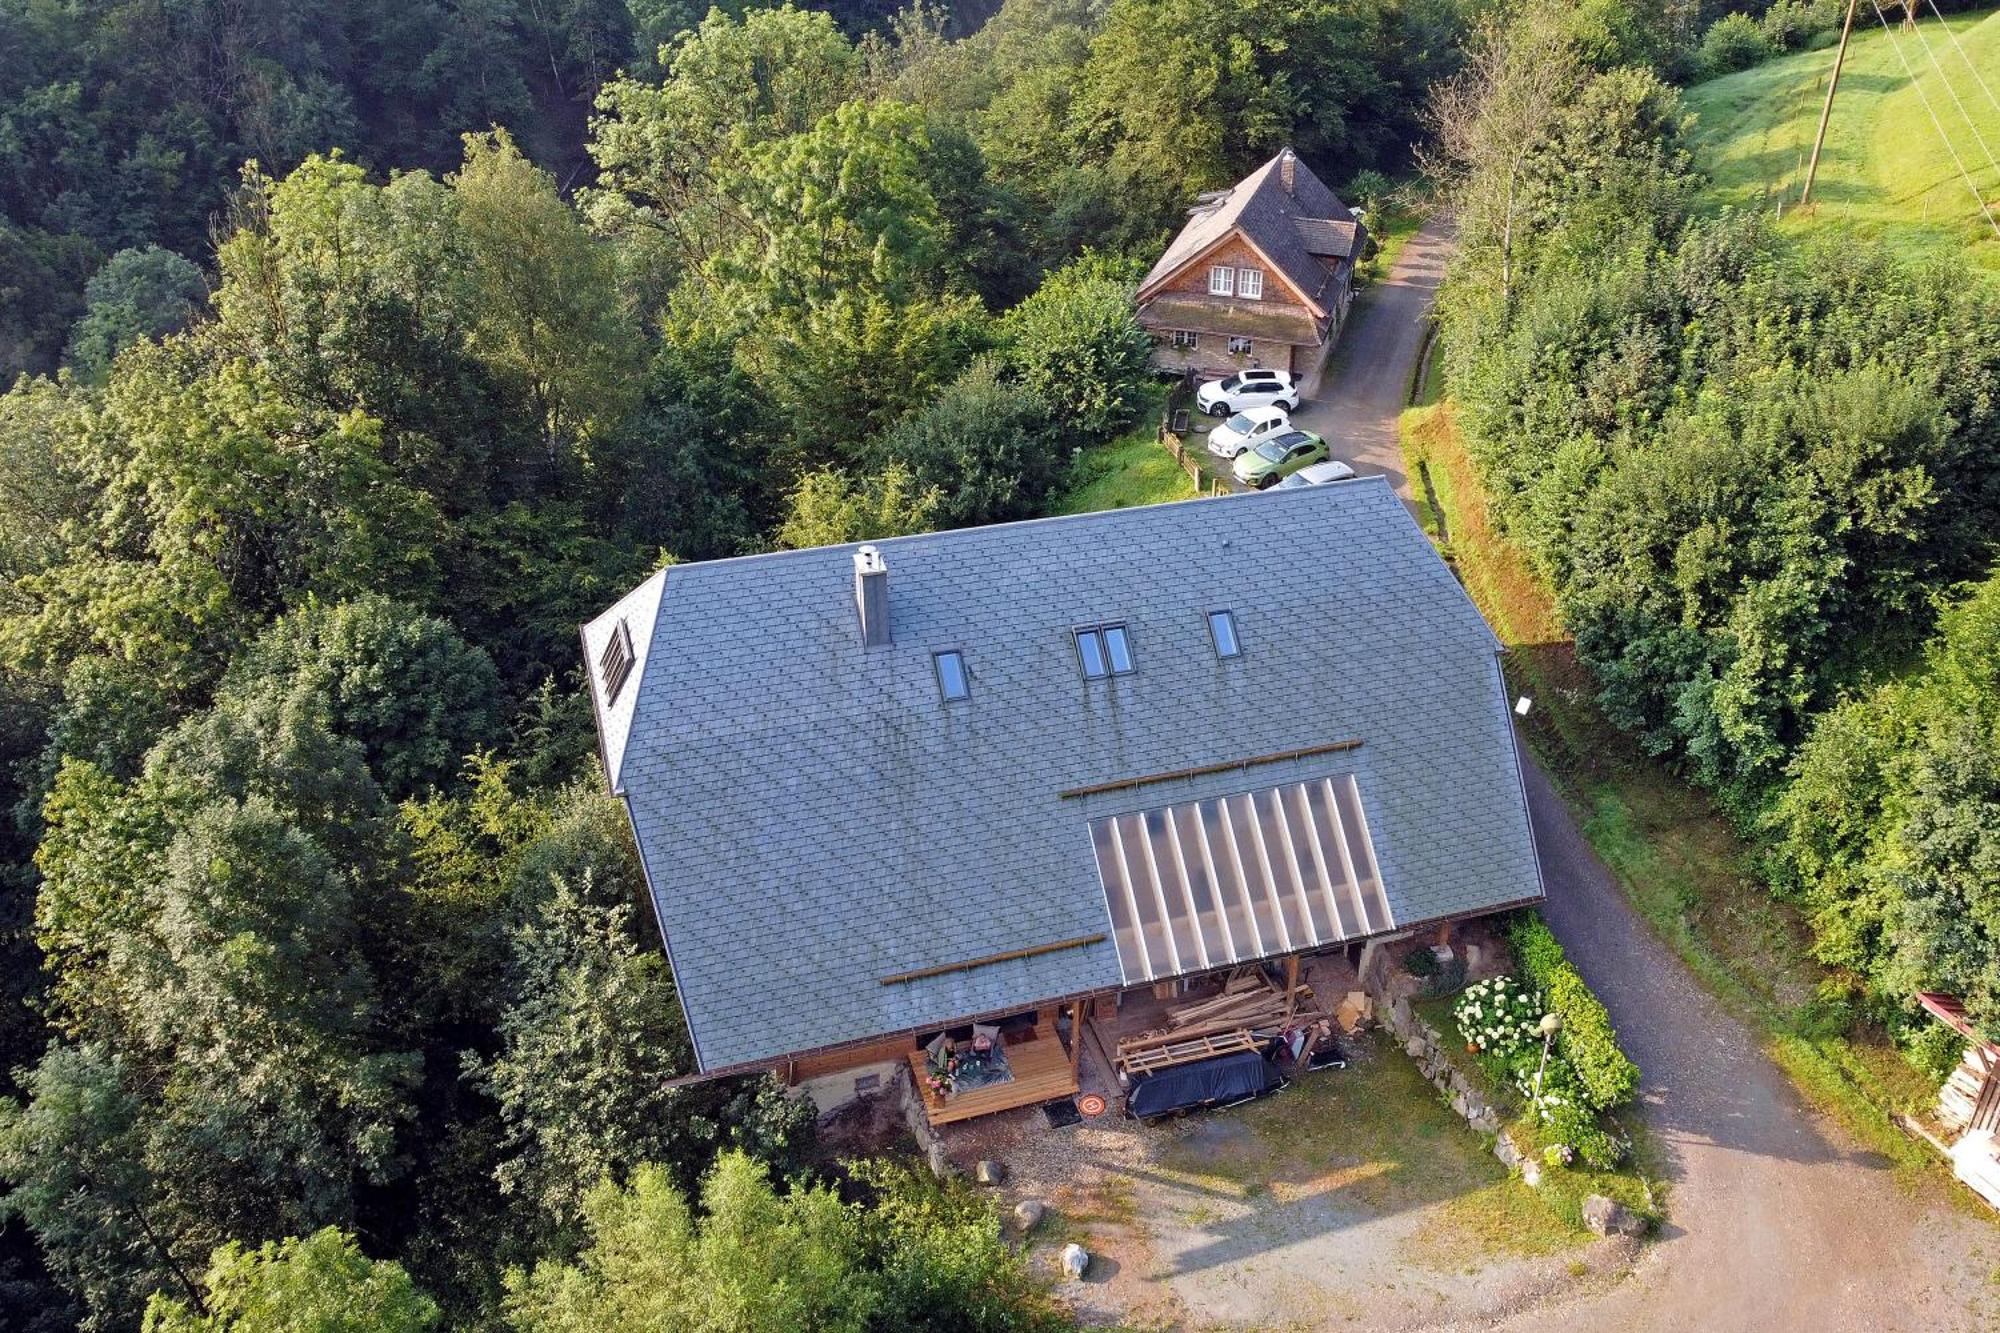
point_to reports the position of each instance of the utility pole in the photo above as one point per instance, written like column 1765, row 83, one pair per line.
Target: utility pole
column 1826, row 112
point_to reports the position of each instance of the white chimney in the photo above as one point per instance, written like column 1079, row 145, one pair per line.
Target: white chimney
column 871, row 596
column 1288, row 170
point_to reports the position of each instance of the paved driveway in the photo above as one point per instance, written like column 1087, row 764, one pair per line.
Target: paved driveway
column 1360, row 394
column 1777, row 1220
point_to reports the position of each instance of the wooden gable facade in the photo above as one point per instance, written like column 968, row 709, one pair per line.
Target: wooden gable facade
column 1261, row 275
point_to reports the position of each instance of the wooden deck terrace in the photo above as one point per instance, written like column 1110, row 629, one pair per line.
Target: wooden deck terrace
column 1042, row 1073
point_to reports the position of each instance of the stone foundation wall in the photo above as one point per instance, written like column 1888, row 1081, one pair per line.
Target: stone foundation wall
column 1436, row 1062
column 911, row 1102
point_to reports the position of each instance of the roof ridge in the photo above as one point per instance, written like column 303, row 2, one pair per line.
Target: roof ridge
column 1094, row 515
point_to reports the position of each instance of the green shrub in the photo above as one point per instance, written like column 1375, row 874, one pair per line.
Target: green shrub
column 1792, row 25
column 1931, row 1048
column 1571, row 1134
column 1588, row 1043
column 1421, row 962
column 1734, row 42
column 1449, row 979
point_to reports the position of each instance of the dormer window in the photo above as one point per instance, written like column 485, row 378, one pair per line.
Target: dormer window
column 1250, row 283
column 1221, row 280
column 953, row 683
column 614, row 664
column 1103, row 650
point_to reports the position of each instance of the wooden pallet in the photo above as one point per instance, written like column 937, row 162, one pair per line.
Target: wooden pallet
column 1146, row 1055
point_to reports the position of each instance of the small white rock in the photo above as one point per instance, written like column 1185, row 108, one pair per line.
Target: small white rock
column 1075, row 1261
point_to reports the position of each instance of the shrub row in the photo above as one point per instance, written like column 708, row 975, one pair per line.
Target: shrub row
column 1587, row 1040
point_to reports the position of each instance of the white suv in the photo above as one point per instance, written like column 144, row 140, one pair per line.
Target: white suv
column 1252, row 425
column 1247, row 388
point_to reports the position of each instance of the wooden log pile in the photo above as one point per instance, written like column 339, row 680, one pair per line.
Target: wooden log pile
column 1248, row 1000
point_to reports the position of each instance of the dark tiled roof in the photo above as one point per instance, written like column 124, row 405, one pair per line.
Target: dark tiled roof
column 814, row 819
column 1203, row 314
column 1292, row 227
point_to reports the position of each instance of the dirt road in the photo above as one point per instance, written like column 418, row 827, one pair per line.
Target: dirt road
column 1777, row 1221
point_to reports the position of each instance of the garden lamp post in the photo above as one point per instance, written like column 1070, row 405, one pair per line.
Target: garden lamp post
column 1549, row 1026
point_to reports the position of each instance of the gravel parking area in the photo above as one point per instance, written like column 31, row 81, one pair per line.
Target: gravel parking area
column 1352, row 1198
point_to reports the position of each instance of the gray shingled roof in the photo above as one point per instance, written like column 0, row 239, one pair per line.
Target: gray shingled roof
column 1287, row 226
column 813, row 818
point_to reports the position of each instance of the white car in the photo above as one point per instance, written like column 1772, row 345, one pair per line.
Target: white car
column 1250, row 426
column 1318, row 474
column 1247, row 388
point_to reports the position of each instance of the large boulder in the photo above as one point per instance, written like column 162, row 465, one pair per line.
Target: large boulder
column 1029, row 1212
column 989, row 1172
column 1075, row 1261
column 1607, row 1217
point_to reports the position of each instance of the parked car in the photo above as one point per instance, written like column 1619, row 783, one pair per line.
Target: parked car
column 1266, row 464
column 1252, row 425
column 1247, row 388
column 1318, row 474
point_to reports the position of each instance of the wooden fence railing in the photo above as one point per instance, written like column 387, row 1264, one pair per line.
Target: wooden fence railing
column 1172, row 433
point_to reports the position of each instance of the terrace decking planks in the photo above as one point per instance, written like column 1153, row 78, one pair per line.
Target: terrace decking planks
column 1042, row 1073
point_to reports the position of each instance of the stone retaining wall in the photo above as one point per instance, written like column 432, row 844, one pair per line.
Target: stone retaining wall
column 1436, row 1062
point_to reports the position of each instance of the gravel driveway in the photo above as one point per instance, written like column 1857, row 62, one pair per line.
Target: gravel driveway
column 1776, row 1220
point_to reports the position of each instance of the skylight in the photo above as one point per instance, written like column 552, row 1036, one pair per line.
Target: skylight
column 1222, row 629
column 953, row 684
column 1208, row 883
column 615, row 663
column 1103, row 650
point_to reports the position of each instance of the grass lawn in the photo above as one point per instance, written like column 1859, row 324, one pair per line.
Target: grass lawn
column 1885, row 173
column 1393, row 232
column 1379, row 1138
column 1132, row 469
column 1676, row 858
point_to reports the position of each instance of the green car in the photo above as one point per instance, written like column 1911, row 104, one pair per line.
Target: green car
column 1278, row 457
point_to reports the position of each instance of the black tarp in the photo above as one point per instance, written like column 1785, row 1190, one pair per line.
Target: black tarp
column 1215, row 1082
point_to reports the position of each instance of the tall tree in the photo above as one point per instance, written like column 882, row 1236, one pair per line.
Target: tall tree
column 548, row 311
column 321, row 1284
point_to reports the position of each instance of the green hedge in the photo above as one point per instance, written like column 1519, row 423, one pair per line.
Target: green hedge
column 1587, row 1040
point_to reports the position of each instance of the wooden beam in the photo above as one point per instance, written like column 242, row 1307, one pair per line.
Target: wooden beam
column 1075, row 1038
column 1826, row 111
column 1291, row 985
column 968, row 964
column 1175, row 775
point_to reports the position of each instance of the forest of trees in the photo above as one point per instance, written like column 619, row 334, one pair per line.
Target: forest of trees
column 1762, row 474
column 365, row 350
column 358, row 352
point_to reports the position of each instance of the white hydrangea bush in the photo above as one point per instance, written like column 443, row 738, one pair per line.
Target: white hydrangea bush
column 1499, row 1016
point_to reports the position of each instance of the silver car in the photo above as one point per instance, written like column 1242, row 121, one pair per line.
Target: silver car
column 1318, row 474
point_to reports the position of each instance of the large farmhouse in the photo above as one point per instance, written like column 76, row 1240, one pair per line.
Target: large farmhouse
column 1261, row 275
column 991, row 774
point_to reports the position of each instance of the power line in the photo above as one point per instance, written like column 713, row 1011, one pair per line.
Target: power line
column 1966, row 58
column 1937, row 124
column 1970, row 123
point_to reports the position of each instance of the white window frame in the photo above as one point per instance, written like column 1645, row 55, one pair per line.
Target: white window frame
column 1250, row 283
column 1186, row 340
column 1235, row 349
column 1221, row 280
